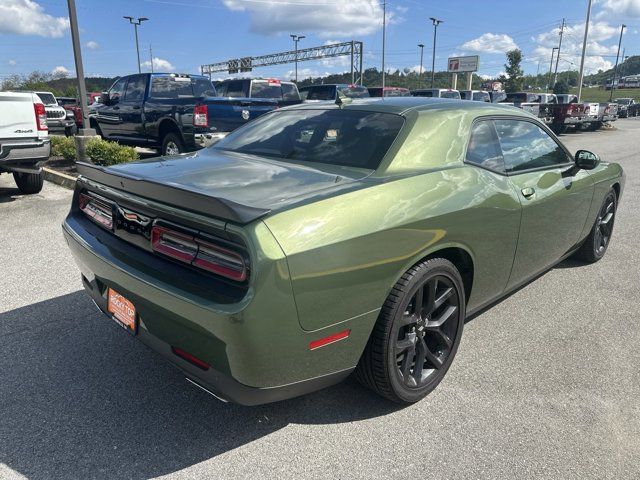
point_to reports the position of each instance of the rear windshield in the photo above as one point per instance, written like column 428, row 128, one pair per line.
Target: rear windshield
column 354, row 91
column 623, row 101
column 180, row 87
column 323, row 92
column 336, row 137
column 266, row 90
column 47, row 98
column 447, row 94
column 397, row 93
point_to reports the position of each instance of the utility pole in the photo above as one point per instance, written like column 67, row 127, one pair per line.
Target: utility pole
column 135, row 23
column 296, row 39
column 584, row 50
column 553, row 51
column 421, row 45
column 615, row 69
column 151, row 57
column 537, row 74
column 436, row 22
column 384, row 39
column 555, row 75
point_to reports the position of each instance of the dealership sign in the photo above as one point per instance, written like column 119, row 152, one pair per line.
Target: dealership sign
column 464, row 64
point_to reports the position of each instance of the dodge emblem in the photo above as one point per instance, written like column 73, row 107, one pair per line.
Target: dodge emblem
column 245, row 114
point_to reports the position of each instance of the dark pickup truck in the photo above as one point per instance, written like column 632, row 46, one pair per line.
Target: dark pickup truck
column 173, row 113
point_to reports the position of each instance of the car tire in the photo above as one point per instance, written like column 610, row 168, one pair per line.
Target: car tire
column 595, row 245
column 402, row 338
column 29, row 183
column 70, row 131
column 172, row 144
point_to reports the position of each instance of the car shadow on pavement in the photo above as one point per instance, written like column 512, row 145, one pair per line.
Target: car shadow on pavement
column 79, row 398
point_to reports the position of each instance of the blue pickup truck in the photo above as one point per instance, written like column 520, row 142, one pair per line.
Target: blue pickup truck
column 173, row 113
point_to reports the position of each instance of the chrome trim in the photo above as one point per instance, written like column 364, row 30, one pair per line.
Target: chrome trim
column 206, row 390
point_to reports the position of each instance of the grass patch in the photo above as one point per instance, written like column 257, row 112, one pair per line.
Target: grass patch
column 596, row 94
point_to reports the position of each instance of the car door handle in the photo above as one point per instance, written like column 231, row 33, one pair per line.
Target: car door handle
column 136, row 107
column 528, row 192
column 116, row 108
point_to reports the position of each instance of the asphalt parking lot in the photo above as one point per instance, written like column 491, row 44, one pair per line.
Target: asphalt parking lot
column 546, row 384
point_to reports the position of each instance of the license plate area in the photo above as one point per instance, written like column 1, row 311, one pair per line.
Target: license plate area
column 122, row 311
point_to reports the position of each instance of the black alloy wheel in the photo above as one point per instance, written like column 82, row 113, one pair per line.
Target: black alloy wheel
column 596, row 244
column 417, row 333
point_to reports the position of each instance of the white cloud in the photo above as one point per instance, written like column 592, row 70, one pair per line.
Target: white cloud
column 490, row 43
column 619, row 8
column 416, row 69
column 27, row 17
column 159, row 64
column 60, row 71
column 12, row 63
column 269, row 17
column 306, row 73
column 91, row 45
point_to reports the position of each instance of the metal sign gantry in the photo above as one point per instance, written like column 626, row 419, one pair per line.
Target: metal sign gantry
column 246, row 64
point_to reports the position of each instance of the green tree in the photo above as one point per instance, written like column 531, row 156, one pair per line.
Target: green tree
column 514, row 78
column 561, row 88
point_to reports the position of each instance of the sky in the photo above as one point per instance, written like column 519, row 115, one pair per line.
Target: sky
column 184, row 34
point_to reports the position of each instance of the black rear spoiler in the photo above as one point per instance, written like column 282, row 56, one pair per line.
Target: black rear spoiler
column 174, row 195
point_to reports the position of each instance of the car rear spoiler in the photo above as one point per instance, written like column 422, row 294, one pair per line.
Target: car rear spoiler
column 173, row 195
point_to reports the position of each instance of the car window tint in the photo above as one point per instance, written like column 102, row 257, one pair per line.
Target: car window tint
column 525, row 145
column 337, row 137
column 322, row 92
column 235, row 89
column 484, row 148
column 353, row 91
column 117, row 90
column 171, row 87
column 135, row 89
column 203, row 88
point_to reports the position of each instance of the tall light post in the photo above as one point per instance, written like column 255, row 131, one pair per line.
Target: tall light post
column 296, row 39
column 436, row 22
column 555, row 74
column 135, row 22
column 421, row 46
column 584, row 50
column 615, row 69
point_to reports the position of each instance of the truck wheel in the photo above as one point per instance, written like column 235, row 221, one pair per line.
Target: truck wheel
column 172, row 144
column 70, row 131
column 559, row 129
column 29, row 183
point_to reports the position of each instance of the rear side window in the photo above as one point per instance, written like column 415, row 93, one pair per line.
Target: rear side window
column 337, row 137
column 135, row 89
column 235, row 89
column 525, row 146
column 484, row 148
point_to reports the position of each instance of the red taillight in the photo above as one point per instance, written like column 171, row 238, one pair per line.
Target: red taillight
column 330, row 339
column 190, row 358
column 221, row 261
column 41, row 117
column 199, row 253
column 173, row 244
column 97, row 210
column 200, row 116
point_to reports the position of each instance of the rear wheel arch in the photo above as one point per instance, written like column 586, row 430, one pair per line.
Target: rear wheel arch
column 616, row 188
column 167, row 126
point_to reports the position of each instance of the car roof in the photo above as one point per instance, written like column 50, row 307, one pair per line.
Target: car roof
column 404, row 105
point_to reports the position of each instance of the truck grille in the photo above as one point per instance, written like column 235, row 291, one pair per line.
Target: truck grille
column 55, row 114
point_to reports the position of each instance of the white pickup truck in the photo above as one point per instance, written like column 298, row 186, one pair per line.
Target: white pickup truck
column 24, row 139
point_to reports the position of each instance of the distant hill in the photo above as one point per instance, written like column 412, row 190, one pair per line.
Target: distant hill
column 629, row 67
column 67, row 85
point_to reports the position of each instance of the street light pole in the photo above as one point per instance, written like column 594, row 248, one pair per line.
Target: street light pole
column 421, row 45
column 615, row 69
column 584, row 50
column 135, row 23
column 436, row 22
column 555, row 75
column 296, row 39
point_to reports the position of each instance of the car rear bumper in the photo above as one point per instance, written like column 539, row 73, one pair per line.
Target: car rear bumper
column 572, row 120
column 24, row 155
column 254, row 355
column 60, row 124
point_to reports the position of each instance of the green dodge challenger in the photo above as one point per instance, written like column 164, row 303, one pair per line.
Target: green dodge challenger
column 325, row 239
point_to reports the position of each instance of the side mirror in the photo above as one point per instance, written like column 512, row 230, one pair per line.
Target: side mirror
column 586, row 160
column 104, row 98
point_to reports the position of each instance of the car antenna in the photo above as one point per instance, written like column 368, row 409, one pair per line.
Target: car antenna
column 342, row 99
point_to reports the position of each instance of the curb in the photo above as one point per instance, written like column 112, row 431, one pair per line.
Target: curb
column 62, row 179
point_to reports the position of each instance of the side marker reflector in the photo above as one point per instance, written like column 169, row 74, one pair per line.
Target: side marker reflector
column 330, row 339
